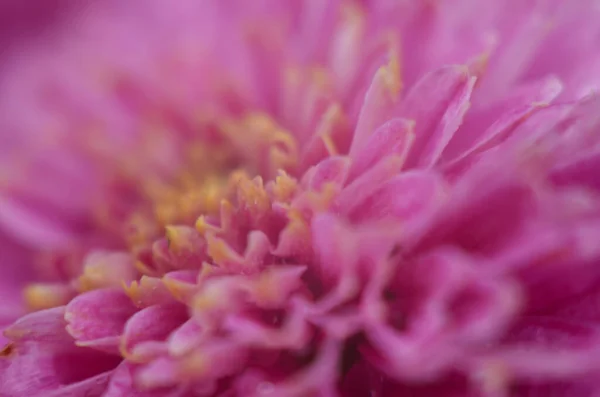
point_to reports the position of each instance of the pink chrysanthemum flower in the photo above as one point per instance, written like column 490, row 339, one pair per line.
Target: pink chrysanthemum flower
column 303, row 198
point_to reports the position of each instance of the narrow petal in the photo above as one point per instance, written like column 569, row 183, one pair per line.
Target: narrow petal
column 441, row 91
column 380, row 100
column 501, row 119
column 393, row 138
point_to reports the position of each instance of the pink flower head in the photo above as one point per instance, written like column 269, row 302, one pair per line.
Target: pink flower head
column 303, row 198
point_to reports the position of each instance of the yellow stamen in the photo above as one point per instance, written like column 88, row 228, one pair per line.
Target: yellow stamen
column 253, row 194
column 206, row 270
column 178, row 289
column 203, row 227
column 284, row 187
column 332, row 120
column 177, row 238
column 220, row 252
column 45, row 296
column 323, row 199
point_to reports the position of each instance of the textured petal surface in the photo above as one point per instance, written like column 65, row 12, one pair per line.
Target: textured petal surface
column 331, row 198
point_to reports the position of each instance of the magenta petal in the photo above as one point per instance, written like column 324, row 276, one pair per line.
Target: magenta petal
column 406, row 197
column 160, row 373
column 122, row 385
column 507, row 115
column 510, row 60
column 334, row 244
column 293, row 334
column 553, row 332
column 531, row 363
column 581, row 171
column 503, row 201
column 45, row 326
column 332, row 170
column 377, row 107
column 154, row 323
column 369, row 266
column 366, row 184
column 443, row 91
column 582, row 307
column 16, row 271
column 185, row 338
column 32, row 227
column 393, row 138
column 543, row 122
column 94, row 386
column 449, row 123
column 45, row 357
column 579, row 387
column 448, row 305
column 35, row 370
column 575, row 135
column 319, row 375
column 547, row 288
column 98, row 318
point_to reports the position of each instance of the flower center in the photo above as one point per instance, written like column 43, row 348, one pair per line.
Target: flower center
column 224, row 163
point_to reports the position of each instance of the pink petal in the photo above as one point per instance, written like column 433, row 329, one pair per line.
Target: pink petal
column 16, row 271
column 45, row 326
column 366, row 184
column 35, row 370
column 503, row 200
column 393, row 138
column 154, row 323
column 98, row 318
column 405, row 197
column 334, row 244
column 378, row 105
column 442, row 91
column 293, row 334
column 518, row 51
column 32, row 227
column 121, row 385
column 185, row 338
column 450, row 122
column 319, row 375
column 94, row 386
column 331, row 170
column 507, row 115
column 580, row 171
